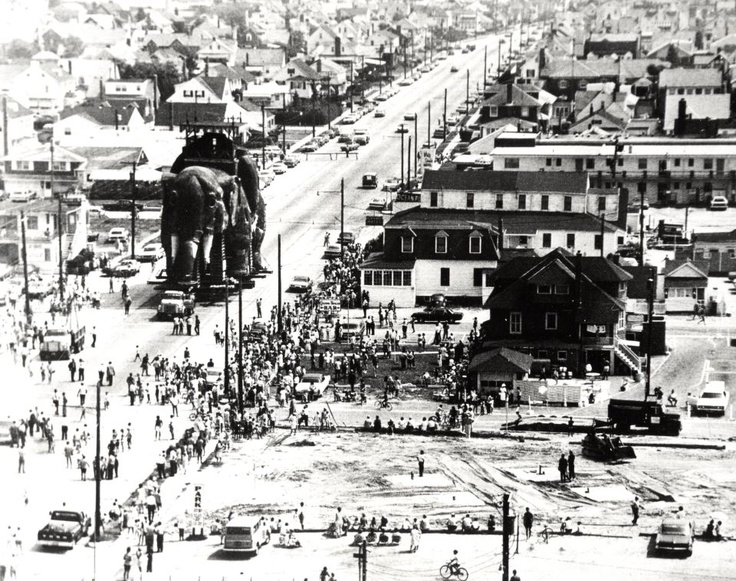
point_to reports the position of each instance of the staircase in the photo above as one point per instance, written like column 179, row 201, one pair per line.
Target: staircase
column 628, row 357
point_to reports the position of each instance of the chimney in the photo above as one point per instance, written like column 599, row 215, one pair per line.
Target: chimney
column 117, row 120
column 102, row 89
column 319, row 66
column 509, row 93
column 207, row 63
column 69, row 66
column 171, row 116
column 155, row 93
column 542, row 59
column 247, row 59
column 338, row 46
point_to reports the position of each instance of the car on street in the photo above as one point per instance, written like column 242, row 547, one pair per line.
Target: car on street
column 718, row 204
column 713, row 399
column 406, row 82
column 391, row 185
column 454, row 69
column 350, row 119
column 175, row 303
column 350, row 146
column 332, row 251
column 314, row 383
column 65, row 528
column 675, row 535
column 377, row 203
column 22, row 196
column 266, row 175
column 438, row 314
column 309, row 147
column 39, row 288
column 158, row 276
column 369, row 181
column 291, row 161
column 379, row 112
column 382, row 97
column 300, row 284
column 351, row 329
column 279, row 168
column 345, row 238
column 361, row 136
column 410, row 116
column 116, row 234
column 126, row 268
column 344, row 138
column 151, row 252
column 402, row 128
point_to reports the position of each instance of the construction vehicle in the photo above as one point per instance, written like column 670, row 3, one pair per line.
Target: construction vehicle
column 648, row 414
column 604, row 448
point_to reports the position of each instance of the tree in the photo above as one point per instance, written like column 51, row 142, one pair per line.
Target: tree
column 168, row 75
column 673, row 56
column 73, row 46
column 296, row 43
column 20, row 49
column 698, row 40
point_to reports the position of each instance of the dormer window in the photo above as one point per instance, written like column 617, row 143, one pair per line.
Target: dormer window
column 407, row 244
column 440, row 243
column 475, row 243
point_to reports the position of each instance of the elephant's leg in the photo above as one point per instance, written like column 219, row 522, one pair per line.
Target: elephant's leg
column 207, row 247
column 174, row 247
column 187, row 258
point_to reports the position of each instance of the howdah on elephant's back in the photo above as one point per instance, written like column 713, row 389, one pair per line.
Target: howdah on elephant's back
column 213, row 218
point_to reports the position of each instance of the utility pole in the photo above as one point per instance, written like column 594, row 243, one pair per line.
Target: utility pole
column 314, row 98
column 641, row 227
column 240, row 347
column 416, row 142
column 362, row 78
column 603, row 231
column 283, row 108
column 227, row 334
column 485, row 67
column 98, row 472
column 133, row 210
column 362, row 556
column 59, row 225
column 278, row 314
column 444, row 118
column 408, row 164
column 507, row 532
column 263, row 135
column 24, row 254
column 429, row 123
column 352, row 81
column 329, row 109
column 342, row 218
column 402, row 155
column 650, row 317
column 467, row 91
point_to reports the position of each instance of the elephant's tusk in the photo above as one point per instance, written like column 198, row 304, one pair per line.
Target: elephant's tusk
column 207, row 246
column 174, row 246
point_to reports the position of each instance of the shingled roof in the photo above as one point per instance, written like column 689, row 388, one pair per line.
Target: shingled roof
column 506, row 181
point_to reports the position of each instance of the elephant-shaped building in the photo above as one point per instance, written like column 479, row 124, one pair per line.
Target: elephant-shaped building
column 213, row 218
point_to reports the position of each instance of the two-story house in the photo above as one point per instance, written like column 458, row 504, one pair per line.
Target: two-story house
column 261, row 62
column 43, row 87
column 568, row 310
column 16, row 123
column 510, row 103
column 203, row 89
column 28, row 168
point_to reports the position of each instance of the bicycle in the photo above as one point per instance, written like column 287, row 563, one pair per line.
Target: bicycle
column 380, row 404
column 447, row 571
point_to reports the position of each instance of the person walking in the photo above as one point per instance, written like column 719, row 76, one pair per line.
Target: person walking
column 420, row 461
column 562, row 467
column 21, row 460
column 196, row 324
column 635, row 509
column 571, row 465
column 80, row 370
column 127, row 562
column 94, row 336
column 528, row 520
column 416, row 536
column 127, row 303
column 109, row 373
column 259, row 311
column 515, row 576
column 72, row 368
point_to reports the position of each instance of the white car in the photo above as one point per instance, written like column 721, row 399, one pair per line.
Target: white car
column 314, row 381
column 379, row 112
column 406, row 82
column 279, row 168
column 266, row 176
column 300, row 283
column 719, row 203
column 712, row 400
column 22, row 196
column 151, row 253
column 116, row 234
column 377, row 203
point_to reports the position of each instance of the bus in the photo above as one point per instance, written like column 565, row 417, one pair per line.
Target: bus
column 246, row 535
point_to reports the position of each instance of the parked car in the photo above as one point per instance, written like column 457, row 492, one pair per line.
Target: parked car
column 22, row 196
column 121, row 206
column 266, row 175
column 126, row 268
column 279, row 168
column 64, row 529
column 332, row 251
column 369, row 181
column 379, row 112
column 175, row 303
column 345, row 238
column 39, row 288
column 402, row 128
column 151, row 252
column 410, row 116
column 406, row 82
column 718, row 204
column 377, row 203
column 116, row 234
column 316, row 383
column 713, row 399
column 453, row 69
column 391, row 185
column 675, row 535
column 291, row 161
column 300, row 283
column 382, row 97
column 437, row 315
column 309, row 147
column 350, row 146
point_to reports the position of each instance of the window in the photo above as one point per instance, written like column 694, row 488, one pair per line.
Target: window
column 548, row 162
column 598, row 242
column 477, row 277
column 675, row 185
column 523, row 240
column 511, row 163
column 707, row 164
column 444, row 277
column 567, row 204
column 643, row 163
column 407, row 244
column 398, row 278
column 47, row 254
column 522, row 201
column 690, row 162
column 32, row 223
column 563, row 84
column 67, row 131
column 499, row 201
column 601, row 203
column 562, row 289
column 562, row 355
column 433, row 199
column 470, row 200
column 558, row 162
column 23, row 165
column 475, row 243
column 542, row 354
column 188, row 93
column 550, row 321
column 688, row 185
column 544, row 289
column 493, row 111
column 59, row 166
column 545, row 202
column 571, row 240
column 388, row 278
column 407, row 278
column 589, row 163
column 440, row 243
column 525, row 111
column 515, row 323
column 547, row 240
column 368, row 278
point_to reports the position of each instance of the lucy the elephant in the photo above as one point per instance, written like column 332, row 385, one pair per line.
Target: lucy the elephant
column 202, row 207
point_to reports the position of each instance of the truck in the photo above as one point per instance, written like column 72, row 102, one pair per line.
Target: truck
column 361, row 137
column 648, row 414
column 64, row 529
column 60, row 342
column 176, row 303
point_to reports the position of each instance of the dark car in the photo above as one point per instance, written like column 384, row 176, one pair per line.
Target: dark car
column 675, row 535
column 64, row 529
column 436, row 315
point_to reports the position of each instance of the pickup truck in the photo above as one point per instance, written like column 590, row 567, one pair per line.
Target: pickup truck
column 176, row 303
column 64, row 529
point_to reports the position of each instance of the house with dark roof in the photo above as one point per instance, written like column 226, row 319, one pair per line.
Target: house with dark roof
column 203, row 89
column 510, row 102
column 566, row 309
column 491, row 371
column 607, row 44
column 717, row 249
column 88, row 119
column 702, row 90
column 261, row 62
column 684, row 283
